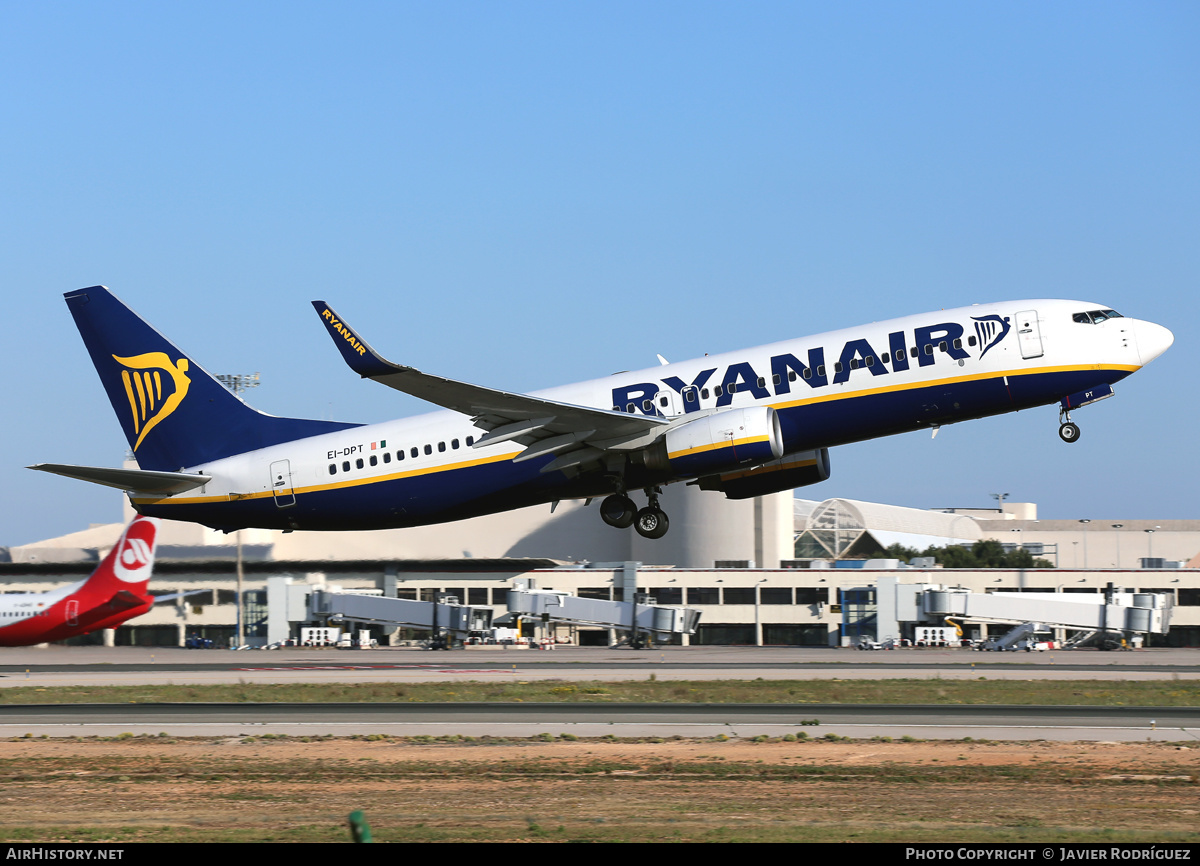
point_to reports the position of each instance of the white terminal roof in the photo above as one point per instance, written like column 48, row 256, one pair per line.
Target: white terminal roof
column 838, row 523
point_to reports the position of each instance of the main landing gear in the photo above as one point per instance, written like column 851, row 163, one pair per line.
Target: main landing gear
column 1068, row 430
column 620, row 511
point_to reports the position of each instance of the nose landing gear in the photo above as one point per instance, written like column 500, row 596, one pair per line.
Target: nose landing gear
column 1068, row 430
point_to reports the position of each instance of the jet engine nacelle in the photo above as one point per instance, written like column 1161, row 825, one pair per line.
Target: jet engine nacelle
column 724, row 441
column 787, row 473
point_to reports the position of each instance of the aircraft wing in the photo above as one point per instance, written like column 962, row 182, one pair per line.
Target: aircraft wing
column 578, row 434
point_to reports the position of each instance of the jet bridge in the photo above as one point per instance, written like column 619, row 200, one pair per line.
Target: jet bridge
column 443, row 615
column 1094, row 613
column 639, row 617
column 890, row 609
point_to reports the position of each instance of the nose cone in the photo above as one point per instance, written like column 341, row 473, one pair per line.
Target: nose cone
column 1152, row 340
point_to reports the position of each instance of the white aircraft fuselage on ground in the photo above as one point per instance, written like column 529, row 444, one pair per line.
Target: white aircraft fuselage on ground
column 744, row 423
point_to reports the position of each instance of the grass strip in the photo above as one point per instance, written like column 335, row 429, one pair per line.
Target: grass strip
column 1161, row 693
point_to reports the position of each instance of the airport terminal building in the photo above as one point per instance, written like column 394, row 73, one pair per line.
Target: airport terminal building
column 768, row 571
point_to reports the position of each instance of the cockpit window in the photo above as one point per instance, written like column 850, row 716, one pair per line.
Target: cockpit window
column 1095, row 317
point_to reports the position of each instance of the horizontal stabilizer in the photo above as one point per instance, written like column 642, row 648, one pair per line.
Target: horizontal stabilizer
column 176, row 596
column 138, row 480
column 126, row 600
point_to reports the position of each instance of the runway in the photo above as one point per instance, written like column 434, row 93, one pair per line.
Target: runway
column 600, row 719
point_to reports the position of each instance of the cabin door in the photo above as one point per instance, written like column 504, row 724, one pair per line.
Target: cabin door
column 281, row 483
column 1029, row 335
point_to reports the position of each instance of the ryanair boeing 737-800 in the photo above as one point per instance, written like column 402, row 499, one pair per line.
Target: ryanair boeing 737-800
column 742, row 423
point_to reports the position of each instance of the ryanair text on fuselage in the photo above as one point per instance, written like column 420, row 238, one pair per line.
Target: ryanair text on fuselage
column 786, row 368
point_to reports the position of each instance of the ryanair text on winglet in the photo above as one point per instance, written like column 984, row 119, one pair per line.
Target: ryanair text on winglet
column 344, row 331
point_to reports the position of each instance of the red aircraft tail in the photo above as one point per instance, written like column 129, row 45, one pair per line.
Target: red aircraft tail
column 129, row 564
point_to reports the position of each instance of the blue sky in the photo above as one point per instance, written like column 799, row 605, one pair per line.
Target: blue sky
column 526, row 194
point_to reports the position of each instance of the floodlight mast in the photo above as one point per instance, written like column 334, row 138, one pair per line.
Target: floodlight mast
column 239, row 383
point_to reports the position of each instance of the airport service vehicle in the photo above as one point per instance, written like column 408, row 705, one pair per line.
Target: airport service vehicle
column 743, row 423
column 115, row 592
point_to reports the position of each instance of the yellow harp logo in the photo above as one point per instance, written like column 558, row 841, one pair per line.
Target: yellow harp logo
column 143, row 380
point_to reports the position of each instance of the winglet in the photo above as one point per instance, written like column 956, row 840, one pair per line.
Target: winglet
column 362, row 358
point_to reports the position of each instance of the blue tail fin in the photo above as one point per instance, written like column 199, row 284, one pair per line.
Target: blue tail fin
column 174, row 414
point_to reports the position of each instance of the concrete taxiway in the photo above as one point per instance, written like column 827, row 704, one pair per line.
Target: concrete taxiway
column 55, row 665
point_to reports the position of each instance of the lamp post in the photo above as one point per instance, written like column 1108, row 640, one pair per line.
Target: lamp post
column 1150, row 541
column 239, row 383
column 1118, row 526
column 1085, row 523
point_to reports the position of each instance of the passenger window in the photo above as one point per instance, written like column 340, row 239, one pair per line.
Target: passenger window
column 807, row 374
column 958, row 344
column 441, row 446
column 690, row 396
column 854, row 363
column 886, row 358
column 775, row 379
column 647, row 405
column 345, row 465
column 374, row 460
column 400, row 454
column 792, row 374
column 717, row 391
column 928, row 349
column 732, row 388
column 631, row 408
column 970, row 341
column 387, row 456
column 821, row 370
column 333, row 469
column 899, row 354
column 428, row 449
column 703, row 393
column 414, row 452
column 837, row 367
column 454, row 444
column 942, row 346
column 470, row 441
column 870, row 360
column 762, row 383
column 358, row 463
column 616, row 408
